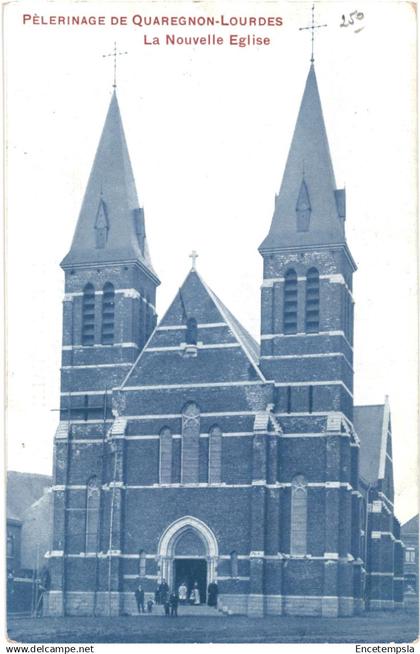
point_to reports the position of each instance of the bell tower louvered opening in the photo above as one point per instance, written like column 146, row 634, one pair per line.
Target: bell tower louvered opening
column 108, row 311
column 88, row 315
column 290, row 302
column 312, row 301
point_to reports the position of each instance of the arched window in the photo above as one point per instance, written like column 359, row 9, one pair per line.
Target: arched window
column 351, row 321
column 93, row 498
column 289, row 399
column 290, row 303
column 299, row 511
column 312, row 301
column 233, row 565
column 149, row 318
column 108, row 297
column 165, row 456
column 190, row 443
column 142, row 319
column 88, row 315
column 191, row 336
column 10, row 546
column 142, row 563
column 215, row 455
column 86, row 407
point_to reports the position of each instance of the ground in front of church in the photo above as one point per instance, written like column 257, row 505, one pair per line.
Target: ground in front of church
column 380, row 627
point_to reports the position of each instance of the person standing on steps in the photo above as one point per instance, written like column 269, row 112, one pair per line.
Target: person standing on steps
column 183, row 593
column 139, row 594
column 195, row 595
column 164, row 596
column 163, row 591
column 213, row 592
column 157, row 594
column 173, row 601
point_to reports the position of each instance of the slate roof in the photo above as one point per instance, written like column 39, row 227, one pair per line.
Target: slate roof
column 411, row 526
column 111, row 197
column 23, row 489
column 368, row 423
column 308, row 166
column 247, row 341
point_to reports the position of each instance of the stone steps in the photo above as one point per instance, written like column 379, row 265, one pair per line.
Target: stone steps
column 200, row 610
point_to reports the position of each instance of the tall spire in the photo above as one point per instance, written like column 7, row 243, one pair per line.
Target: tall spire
column 111, row 226
column 309, row 209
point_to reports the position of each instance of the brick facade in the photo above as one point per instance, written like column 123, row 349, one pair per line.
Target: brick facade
column 187, row 443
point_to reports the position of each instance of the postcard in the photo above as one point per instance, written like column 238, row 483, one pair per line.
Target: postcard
column 211, row 299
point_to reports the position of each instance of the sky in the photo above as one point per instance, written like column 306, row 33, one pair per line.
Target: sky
column 208, row 130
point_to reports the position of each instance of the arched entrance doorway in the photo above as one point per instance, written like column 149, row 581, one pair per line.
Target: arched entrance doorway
column 188, row 553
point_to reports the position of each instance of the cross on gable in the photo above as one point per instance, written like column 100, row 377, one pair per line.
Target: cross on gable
column 115, row 54
column 312, row 27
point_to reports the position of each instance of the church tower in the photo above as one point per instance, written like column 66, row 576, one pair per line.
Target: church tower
column 307, row 350
column 110, row 284
column 307, row 306
column 108, row 315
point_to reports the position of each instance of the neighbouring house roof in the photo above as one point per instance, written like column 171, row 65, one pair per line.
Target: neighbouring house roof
column 12, row 518
column 23, row 489
column 411, row 526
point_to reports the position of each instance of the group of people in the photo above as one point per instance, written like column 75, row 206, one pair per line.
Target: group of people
column 170, row 600
column 193, row 598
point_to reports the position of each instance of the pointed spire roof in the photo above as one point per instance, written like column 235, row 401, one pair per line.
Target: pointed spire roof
column 111, row 225
column 309, row 210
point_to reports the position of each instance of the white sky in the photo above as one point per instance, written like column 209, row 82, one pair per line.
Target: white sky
column 208, row 130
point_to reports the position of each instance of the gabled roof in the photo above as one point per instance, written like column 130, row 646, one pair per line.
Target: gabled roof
column 411, row 526
column 226, row 351
column 308, row 185
column 371, row 425
column 23, row 489
column 248, row 342
column 110, row 204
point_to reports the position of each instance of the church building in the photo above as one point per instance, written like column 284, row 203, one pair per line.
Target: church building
column 186, row 450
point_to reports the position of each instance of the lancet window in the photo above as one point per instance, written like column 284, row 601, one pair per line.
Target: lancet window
column 234, row 565
column 191, row 335
column 108, row 314
column 165, row 456
column 88, row 315
column 312, row 301
column 93, row 498
column 215, row 455
column 142, row 563
column 190, row 443
column 299, row 510
column 290, row 305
